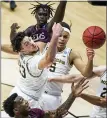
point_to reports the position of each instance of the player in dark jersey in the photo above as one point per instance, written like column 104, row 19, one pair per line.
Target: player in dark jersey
column 16, row 106
column 42, row 30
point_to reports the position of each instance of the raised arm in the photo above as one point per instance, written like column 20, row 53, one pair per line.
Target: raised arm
column 14, row 27
column 76, row 91
column 59, row 14
column 51, row 51
column 95, row 100
column 85, row 69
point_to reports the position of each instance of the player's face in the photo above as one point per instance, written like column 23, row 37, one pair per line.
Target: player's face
column 62, row 41
column 28, row 45
column 42, row 16
column 21, row 106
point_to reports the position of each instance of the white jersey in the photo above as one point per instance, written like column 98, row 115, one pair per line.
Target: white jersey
column 99, row 112
column 61, row 66
column 32, row 79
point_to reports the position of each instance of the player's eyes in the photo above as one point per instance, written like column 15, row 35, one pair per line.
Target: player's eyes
column 26, row 43
column 65, row 37
column 44, row 14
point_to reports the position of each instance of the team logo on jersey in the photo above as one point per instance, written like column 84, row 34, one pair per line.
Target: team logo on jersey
column 39, row 36
column 59, row 61
column 104, row 82
column 65, row 52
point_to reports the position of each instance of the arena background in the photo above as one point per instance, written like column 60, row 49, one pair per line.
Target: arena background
column 82, row 15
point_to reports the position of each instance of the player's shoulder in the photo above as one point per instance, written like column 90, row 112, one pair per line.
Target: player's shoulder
column 74, row 54
column 24, row 58
column 29, row 29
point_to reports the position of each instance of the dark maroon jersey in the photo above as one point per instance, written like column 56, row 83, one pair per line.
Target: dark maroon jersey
column 38, row 34
column 36, row 113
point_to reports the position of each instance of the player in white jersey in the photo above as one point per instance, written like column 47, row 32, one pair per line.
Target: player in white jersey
column 100, row 100
column 32, row 65
column 64, row 60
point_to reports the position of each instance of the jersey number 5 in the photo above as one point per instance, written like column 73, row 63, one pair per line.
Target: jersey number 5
column 52, row 67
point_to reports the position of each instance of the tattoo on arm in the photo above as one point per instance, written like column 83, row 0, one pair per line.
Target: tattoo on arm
column 65, row 106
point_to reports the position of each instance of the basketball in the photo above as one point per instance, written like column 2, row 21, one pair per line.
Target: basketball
column 94, row 37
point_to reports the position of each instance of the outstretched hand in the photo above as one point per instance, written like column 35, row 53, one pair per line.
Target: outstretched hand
column 90, row 53
column 79, row 87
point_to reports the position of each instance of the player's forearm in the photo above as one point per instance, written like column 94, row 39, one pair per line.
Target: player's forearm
column 95, row 100
column 8, row 49
column 66, row 105
column 12, row 34
column 88, row 69
column 59, row 14
column 50, row 54
column 60, row 11
column 66, row 79
column 61, row 110
column 61, row 80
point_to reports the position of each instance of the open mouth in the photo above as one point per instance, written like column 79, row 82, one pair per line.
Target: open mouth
column 61, row 43
column 42, row 21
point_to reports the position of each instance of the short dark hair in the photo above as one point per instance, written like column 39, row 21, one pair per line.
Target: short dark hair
column 43, row 6
column 16, row 41
column 8, row 104
column 64, row 24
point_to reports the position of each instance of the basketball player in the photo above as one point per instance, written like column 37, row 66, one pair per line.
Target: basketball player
column 100, row 100
column 42, row 30
column 64, row 60
column 17, row 107
column 32, row 64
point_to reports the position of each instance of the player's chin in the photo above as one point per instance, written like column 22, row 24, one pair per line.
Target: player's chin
column 61, row 46
column 42, row 22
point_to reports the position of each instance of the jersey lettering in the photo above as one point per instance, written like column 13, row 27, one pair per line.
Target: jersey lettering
column 22, row 70
column 39, row 36
column 52, row 67
column 103, row 94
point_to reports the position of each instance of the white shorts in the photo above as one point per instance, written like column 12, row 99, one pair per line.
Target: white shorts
column 50, row 102
column 33, row 103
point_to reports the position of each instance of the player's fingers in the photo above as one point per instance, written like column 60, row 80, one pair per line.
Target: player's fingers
column 85, row 87
column 81, row 81
column 85, row 83
column 72, row 85
column 89, row 48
